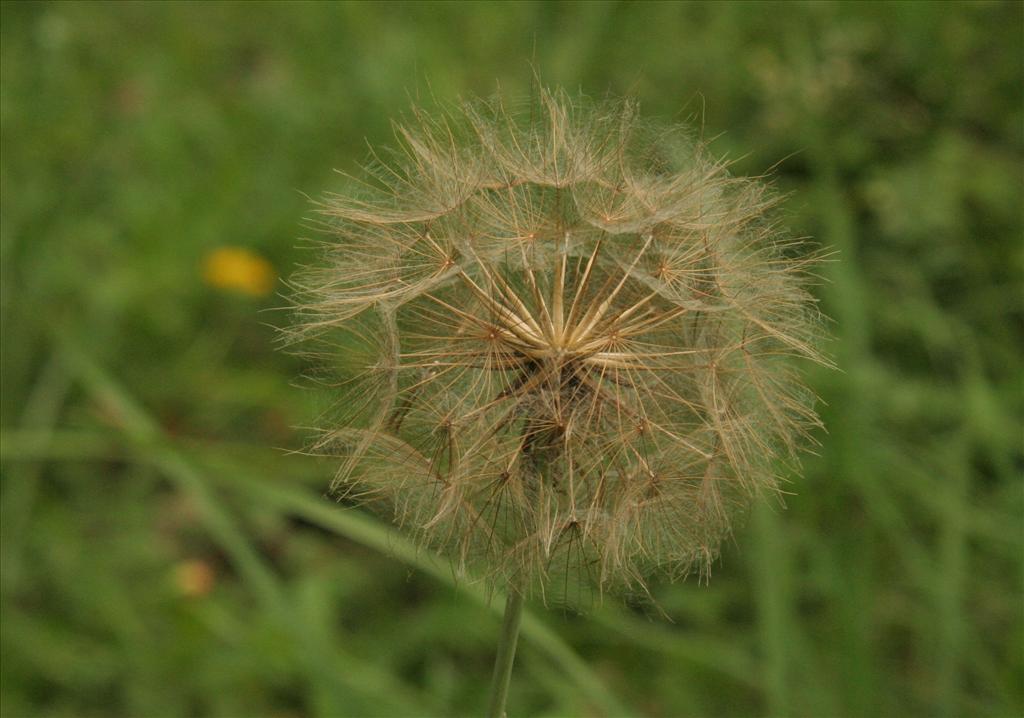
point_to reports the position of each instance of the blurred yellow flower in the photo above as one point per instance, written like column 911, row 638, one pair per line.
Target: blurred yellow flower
column 235, row 269
column 194, row 578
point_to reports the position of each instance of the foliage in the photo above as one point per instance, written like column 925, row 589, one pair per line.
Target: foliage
column 162, row 556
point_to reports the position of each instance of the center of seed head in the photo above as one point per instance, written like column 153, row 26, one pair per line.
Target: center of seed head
column 563, row 348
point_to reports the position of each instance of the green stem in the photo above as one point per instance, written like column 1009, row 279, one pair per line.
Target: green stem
column 506, row 653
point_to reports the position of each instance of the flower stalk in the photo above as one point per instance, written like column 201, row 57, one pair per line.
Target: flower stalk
column 506, row 653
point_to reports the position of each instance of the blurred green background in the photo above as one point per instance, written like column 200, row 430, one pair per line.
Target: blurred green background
column 163, row 554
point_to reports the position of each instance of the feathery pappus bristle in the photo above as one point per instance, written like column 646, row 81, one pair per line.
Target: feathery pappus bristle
column 565, row 341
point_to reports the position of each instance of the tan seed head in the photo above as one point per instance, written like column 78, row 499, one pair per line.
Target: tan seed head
column 565, row 339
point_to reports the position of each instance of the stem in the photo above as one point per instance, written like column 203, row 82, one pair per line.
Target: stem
column 506, row 653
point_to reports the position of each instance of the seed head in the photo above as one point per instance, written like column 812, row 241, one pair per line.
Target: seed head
column 564, row 338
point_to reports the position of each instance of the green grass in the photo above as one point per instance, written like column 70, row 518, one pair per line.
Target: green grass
column 147, row 417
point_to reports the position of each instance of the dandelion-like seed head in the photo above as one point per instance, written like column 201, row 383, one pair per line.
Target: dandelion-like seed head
column 565, row 341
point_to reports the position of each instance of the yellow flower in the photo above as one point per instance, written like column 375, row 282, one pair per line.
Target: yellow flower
column 235, row 269
column 194, row 578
